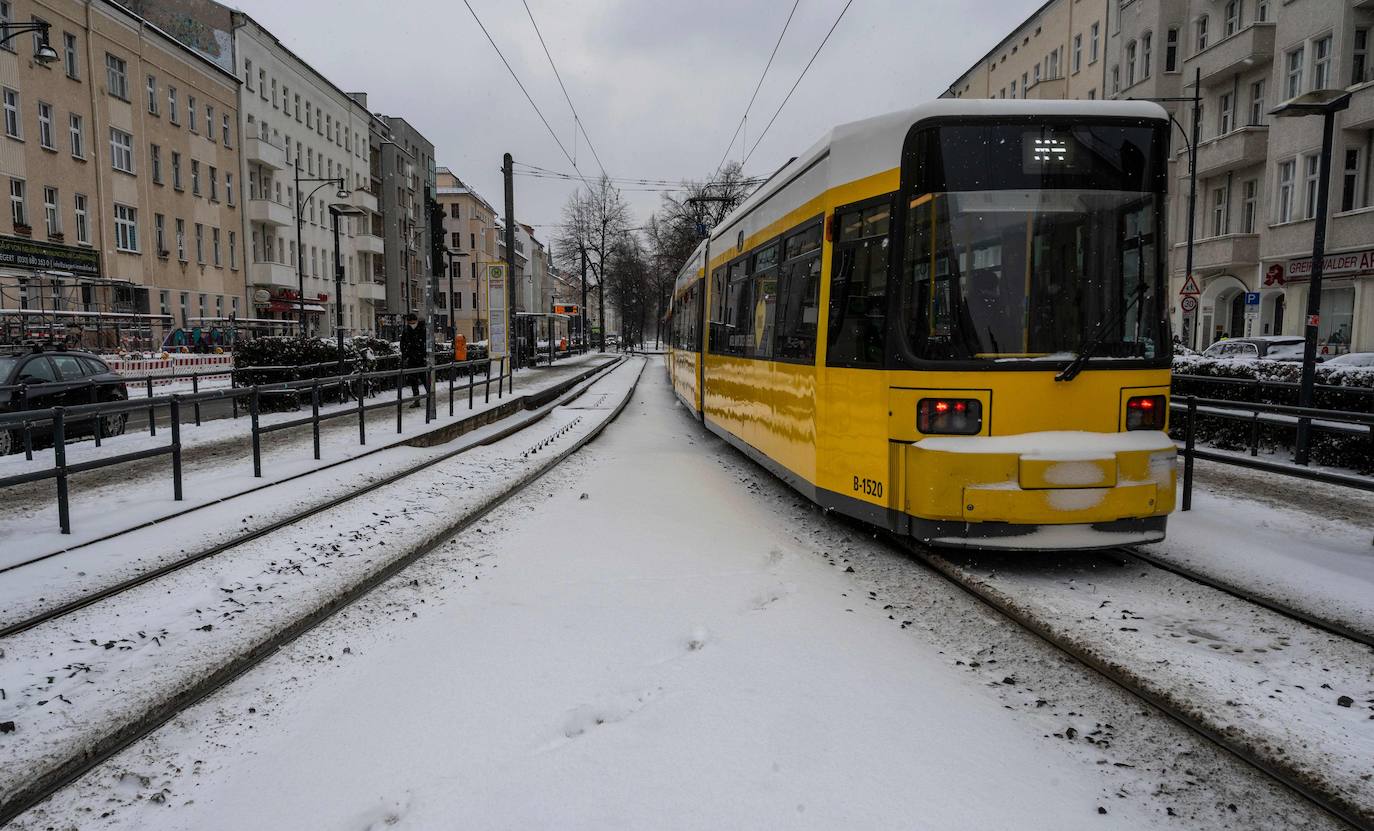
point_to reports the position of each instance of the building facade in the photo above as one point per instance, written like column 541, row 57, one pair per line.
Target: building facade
column 1257, row 175
column 403, row 179
column 469, row 247
column 122, row 162
column 1057, row 52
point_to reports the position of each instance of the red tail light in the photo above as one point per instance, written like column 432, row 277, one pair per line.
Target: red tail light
column 1146, row 412
column 949, row 416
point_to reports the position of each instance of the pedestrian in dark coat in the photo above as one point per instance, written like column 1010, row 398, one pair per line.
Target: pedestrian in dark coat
column 413, row 355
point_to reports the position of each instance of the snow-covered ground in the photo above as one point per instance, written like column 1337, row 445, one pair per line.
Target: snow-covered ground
column 658, row 635
column 71, row 682
column 217, row 463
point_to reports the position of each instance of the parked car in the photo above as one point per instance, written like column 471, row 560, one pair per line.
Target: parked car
column 1268, row 347
column 39, row 380
column 1352, row 359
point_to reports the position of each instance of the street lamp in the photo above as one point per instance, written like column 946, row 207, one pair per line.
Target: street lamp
column 1325, row 103
column 342, row 193
column 336, row 211
column 43, row 53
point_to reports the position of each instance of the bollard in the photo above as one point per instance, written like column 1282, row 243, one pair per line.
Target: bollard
column 315, row 416
column 486, row 393
column 257, row 440
column 176, row 447
column 195, row 389
column 1188, row 454
column 59, row 452
column 362, row 414
column 152, row 410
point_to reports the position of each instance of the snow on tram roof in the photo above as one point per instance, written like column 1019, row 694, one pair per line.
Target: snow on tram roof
column 874, row 145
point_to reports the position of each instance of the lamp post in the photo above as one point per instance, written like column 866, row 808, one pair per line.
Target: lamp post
column 43, row 53
column 336, row 211
column 342, row 193
column 1325, row 103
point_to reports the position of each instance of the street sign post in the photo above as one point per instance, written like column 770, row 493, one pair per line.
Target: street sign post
column 1188, row 304
column 497, row 322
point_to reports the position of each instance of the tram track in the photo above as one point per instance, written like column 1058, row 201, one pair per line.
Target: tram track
column 1255, row 751
column 85, row 754
column 564, row 393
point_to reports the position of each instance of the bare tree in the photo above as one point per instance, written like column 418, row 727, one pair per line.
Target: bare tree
column 593, row 221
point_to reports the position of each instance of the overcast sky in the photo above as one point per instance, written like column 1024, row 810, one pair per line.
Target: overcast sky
column 660, row 84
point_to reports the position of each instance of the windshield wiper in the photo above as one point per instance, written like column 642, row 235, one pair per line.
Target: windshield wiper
column 1104, row 328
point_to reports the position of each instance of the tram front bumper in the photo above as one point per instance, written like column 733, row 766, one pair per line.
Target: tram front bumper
column 1017, row 484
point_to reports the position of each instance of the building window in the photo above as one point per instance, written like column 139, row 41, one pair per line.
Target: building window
column 155, row 162
column 1257, row 113
column 1225, row 113
column 1093, row 42
column 200, row 243
column 1352, row 180
column 262, row 84
column 1311, row 168
column 1232, row 24
column 160, row 234
column 52, row 217
column 152, row 94
column 1262, row 12
column 1321, row 62
column 12, row 125
column 209, row 122
column 126, row 227
column 1219, row 198
column 214, row 248
column 214, row 184
column 227, row 133
column 1201, row 33
column 285, row 100
column 83, row 227
column 18, row 210
column 121, row 150
column 229, row 188
column 1077, row 59
column 233, row 250
column 1285, row 200
column 176, row 170
column 1171, row 50
column 1250, row 190
column 195, row 177
column 181, row 240
column 45, row 139
column 1293, row 77
column 297, row 107
column 248, row 74
column 1146, row 41
column 116, row 76
column 191, row 123
column 1359, row 58
column 275, row 101
column 1130, row 64
column 173, row 114
column 78, row 136
column 1013, row 87
column 1116, row 80
column 70, row 57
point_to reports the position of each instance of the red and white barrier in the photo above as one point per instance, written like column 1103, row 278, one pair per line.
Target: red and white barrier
column 163, row 370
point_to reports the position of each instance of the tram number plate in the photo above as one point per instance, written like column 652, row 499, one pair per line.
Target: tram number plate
column 868, row 487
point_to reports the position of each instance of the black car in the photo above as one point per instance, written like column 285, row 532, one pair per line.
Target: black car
column 37, row 381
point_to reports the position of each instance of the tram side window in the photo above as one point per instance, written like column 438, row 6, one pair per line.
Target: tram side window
column 764, row 279
column 858, row 287
column 733, row 335
column 719, row 295
column 799, row 290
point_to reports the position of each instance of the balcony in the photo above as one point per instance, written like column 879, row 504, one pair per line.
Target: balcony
column 1238, row 148
column 363, row 199
column 368, row 244
column 1360, row 115
column 1048, row 89
column 372, row 291
column 263, row 152
column 1228, row 252
column 271, row 275
column 270, row 212
column 1250, row 47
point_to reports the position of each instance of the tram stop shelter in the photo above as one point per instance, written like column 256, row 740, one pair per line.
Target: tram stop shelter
column 541, row 334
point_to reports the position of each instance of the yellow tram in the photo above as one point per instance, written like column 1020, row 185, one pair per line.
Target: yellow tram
column 950, row 322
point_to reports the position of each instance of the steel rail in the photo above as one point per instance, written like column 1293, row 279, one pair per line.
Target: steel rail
column 1235, row 746
column 574, row 388
column 106, row 748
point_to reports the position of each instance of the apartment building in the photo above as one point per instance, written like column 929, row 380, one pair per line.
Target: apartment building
column 1058, row 52
column 403, row 177
column 122, row 164
column 1257, row 175
column 297, row 126
column 469, row 247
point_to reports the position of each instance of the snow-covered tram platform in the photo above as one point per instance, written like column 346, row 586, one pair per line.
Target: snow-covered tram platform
column 658, row 635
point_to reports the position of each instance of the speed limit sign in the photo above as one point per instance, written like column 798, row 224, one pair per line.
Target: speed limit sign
column 1188, row 304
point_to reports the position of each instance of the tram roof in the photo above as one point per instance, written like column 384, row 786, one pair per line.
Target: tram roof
column 874, row 145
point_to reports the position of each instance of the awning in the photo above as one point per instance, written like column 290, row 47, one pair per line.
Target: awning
column 288, row 306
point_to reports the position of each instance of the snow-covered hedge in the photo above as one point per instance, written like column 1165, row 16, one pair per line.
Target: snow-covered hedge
column 1339, row 388
column 316, row 357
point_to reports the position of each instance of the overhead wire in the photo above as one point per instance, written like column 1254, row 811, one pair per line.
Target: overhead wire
column 577, row 119
column 757, row 87
column 528, row 97
column 797, row 83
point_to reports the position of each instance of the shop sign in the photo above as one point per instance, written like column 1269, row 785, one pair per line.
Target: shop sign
column 45, row 256
column 1356, row 262
column 1274, row 275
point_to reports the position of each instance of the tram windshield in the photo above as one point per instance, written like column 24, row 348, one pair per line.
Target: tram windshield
column 1030, row 242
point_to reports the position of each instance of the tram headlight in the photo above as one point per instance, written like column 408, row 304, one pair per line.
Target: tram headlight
column 1146, row 412
column 950, row 416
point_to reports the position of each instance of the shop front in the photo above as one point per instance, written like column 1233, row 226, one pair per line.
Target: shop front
column 1347, row 301
column 286, row 305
